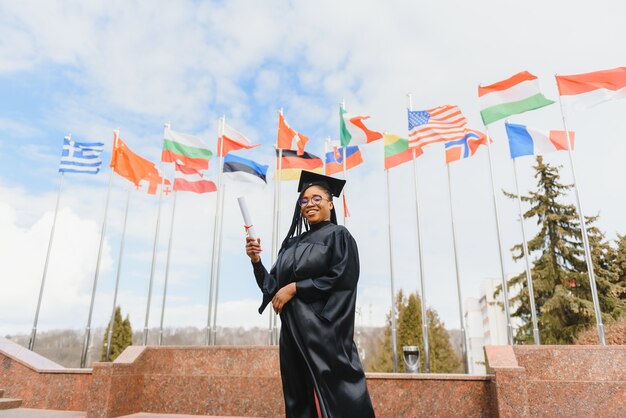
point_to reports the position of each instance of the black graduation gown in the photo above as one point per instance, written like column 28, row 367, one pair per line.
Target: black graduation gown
column 317, row 349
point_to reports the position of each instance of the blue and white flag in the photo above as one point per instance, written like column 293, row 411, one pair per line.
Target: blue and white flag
column 81, row 157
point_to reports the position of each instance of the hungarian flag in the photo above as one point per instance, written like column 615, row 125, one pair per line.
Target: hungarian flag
column 334, row 158
column 185, row 149
column 190, row 180
column 397, row 151
column 232, row 140
column 286, row 136
column 292, row 164
column 582, row 91
column 517, row 94
column 465, row 147
column 353, row 131
column 128, row 164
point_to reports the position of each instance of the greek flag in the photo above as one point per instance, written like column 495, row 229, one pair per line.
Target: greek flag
column 81, row 157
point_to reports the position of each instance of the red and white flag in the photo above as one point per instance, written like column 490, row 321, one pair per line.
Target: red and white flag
column 190, row 180
column 286, row 136
column 232, row 140
column 582, row 91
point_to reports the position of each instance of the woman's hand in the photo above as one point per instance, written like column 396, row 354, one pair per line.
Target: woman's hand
column 253, row 249
column 284, row 295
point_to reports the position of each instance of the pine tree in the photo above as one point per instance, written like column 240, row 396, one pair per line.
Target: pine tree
column 122, row 336
column 409, row 332
column 560, row 280
column 618, row 264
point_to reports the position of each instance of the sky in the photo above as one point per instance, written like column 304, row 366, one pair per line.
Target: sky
column 87, row 68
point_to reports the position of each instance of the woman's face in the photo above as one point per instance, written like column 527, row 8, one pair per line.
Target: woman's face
column 315, row 210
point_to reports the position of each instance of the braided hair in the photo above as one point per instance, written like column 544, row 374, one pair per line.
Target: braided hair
column 298, row 221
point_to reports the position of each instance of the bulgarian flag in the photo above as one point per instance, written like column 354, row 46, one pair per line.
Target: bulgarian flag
column 517, row 94
column 353, row 131
column 232, row 140
column 185, row 149
column 582, row 91
column 397, row 151
column 190, row 180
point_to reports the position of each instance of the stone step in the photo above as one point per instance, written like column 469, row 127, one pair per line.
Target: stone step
column 8, row 403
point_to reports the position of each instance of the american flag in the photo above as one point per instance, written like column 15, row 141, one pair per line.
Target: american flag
column 439, row 124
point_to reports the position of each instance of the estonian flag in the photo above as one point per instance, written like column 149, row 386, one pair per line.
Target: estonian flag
column 242, row 170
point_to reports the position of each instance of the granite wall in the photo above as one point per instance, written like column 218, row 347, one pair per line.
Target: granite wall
column 245, row 381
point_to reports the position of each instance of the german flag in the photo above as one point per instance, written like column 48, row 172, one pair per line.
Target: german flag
column 292, row 164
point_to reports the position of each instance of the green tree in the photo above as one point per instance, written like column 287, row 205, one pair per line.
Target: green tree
column 409, row 332
column 618, row 263
column 559, row 273
column 122, row 336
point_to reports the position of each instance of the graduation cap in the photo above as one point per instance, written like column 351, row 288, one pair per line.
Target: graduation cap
column 309, row 178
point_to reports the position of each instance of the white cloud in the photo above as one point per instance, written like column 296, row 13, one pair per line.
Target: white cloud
column 70, row 270
column 137, row 65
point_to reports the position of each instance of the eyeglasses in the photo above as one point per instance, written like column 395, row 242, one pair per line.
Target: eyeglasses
column 315, row 199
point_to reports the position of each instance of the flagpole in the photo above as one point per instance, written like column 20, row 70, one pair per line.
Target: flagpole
column 421, row 259
column 209, row 331
column 33, row 335
column 588, row 260
column 117, row 279
column 505, row 290
column 154, row 249
column 529, row 278
column 394, row 342
column 167, row 269
column 458, row 277
column 345, row 188
column 219, row 264
column 273, row 314
column 274, row 243
column 279, row 177
column 83, row 358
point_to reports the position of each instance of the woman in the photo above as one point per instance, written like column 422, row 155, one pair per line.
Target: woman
column 313, row 288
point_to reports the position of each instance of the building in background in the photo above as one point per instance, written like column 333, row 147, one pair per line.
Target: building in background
column 485, row 323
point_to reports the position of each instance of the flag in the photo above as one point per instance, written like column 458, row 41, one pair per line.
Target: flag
column 439, row 124
column 286, row 136
column 292, row 164
column 334, row 159
column 128, row 164
column 185, row 149
column 353, row 130
column 187, row 179
column 397, row 151
column 80, row 157
column 239, row 169
column 527, row 141
column 517, row 94
column 232, row 140
column 582, row 91
column 154, row 180
column 465, row 147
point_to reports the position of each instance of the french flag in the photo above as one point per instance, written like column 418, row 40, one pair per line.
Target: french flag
column 528, row 141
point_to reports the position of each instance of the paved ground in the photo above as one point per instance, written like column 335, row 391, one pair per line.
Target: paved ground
column 46, row 413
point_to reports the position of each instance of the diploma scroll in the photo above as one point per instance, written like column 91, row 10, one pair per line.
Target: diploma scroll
column 247, row 219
